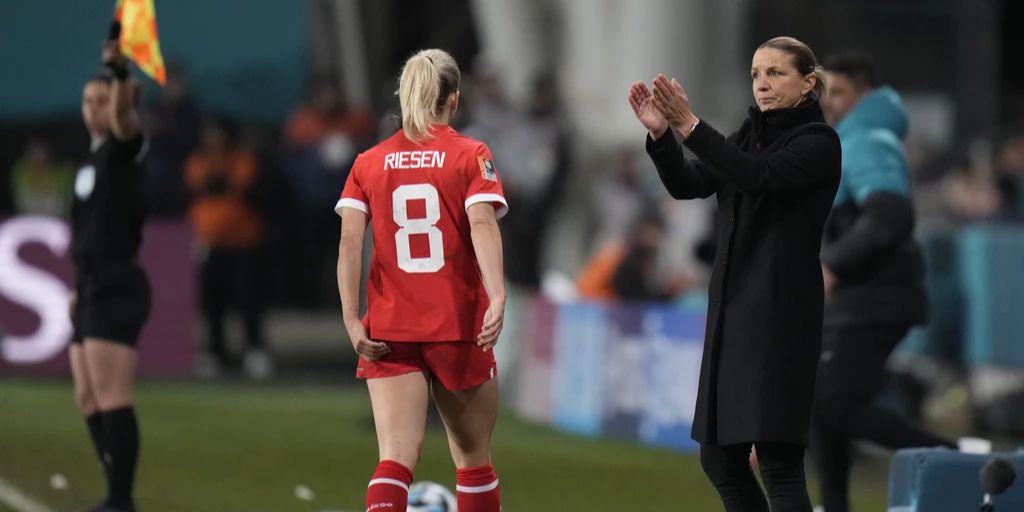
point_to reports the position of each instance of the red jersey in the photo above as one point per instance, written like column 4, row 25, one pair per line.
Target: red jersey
column 425, row 282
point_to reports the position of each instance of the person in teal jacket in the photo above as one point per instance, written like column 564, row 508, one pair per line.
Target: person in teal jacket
column 874, row 276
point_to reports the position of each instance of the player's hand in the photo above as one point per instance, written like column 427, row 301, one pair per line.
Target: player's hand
column 671, row 100
column 640, row 99
column 364, row 346
column 494, row 320
column 72, row 303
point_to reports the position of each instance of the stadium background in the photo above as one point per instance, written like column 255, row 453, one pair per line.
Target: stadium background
column 598, row 393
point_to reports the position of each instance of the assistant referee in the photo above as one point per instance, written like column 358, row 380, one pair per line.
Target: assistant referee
column 111, row 300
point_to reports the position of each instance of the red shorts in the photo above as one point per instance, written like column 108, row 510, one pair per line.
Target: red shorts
column 458, row 365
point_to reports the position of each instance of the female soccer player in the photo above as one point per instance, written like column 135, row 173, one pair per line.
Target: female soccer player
column 112, row 296
column 436, row 292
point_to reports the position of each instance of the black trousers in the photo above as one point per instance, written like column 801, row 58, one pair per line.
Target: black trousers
column 232, row 278
column 782, row 470
column 850, row 377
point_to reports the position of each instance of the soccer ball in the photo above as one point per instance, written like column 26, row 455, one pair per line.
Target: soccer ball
column 430, row 497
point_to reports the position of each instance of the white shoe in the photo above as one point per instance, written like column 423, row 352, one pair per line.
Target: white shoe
column 258, row 365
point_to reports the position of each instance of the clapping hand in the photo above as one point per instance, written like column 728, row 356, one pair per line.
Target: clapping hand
column 674, row 105
column 641, row 100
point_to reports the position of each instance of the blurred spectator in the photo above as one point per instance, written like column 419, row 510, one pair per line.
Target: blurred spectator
column 172, row 123
column 221, row 178
column 626, row 267
column 617, row 198
column 322, row 138
column 41, row 185
column 1010, row 177
column 532, row 151
column 970, row 189
column 323, row 116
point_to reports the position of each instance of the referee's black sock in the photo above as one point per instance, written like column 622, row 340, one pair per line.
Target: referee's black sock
column 95, row 423
column 121, row 441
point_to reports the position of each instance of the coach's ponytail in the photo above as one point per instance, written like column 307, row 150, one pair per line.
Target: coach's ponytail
column 428, row 79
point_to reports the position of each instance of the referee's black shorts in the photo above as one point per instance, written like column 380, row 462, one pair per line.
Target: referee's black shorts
column 113, row 303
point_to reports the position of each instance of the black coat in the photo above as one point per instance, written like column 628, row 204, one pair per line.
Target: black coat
column 775, row 179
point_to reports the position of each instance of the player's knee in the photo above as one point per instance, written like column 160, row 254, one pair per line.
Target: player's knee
column 85, row 401
column 468, row 451
column 109, row 392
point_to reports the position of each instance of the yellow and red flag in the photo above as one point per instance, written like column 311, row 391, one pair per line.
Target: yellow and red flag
column 139, row 41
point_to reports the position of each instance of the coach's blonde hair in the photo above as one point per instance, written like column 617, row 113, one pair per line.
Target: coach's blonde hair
column 428, row 79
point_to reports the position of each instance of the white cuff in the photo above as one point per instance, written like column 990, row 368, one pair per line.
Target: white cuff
column 348, row 202
column 489, row 198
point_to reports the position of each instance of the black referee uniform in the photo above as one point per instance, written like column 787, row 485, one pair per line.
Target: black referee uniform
column 106, row 217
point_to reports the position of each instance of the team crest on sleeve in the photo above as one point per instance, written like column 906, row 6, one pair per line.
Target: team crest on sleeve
column 487, row 169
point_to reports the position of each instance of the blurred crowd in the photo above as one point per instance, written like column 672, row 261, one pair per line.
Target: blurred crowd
column 261, row 197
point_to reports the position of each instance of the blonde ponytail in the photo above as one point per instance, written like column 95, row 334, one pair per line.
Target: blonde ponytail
column 428, row 79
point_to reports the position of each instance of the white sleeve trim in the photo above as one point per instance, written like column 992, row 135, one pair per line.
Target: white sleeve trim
column 348, row 202
column 489, row 198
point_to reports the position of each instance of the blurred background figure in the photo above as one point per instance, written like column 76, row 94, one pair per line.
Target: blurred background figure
column 873, row 272
column 222, row 180
column 40, row 182
column 534, row 147
column 322, row 137
column 627, row 266
column 172, row 120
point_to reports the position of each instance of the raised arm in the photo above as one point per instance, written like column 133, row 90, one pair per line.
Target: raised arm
column 805, row 161
column 683, row 179
column 808, row 159
column 124, row 94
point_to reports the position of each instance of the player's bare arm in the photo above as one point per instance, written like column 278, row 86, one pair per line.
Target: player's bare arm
column 350, row 261
column 483, row 223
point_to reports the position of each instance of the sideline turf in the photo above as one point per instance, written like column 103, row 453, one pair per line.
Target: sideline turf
column 244, row 448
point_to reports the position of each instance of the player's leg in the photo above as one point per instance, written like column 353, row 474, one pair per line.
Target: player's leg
column 728, row 468
column 111, row 372
column 782, row 471
column 400, row 415
column 469, row 416
column 86, row 402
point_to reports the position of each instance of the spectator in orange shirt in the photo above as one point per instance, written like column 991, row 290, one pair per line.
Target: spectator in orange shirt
column 221, row 179
column 322, row 138
column 627, row 268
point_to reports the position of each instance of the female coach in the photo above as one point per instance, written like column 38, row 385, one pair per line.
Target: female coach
column 774, row 179
column 112, row 296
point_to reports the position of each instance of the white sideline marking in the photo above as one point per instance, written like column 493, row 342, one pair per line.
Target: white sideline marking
column 19, row 501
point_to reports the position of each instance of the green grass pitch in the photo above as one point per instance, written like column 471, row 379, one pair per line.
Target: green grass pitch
column 245, row 448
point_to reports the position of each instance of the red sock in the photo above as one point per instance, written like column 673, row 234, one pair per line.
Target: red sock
column 477, row 489
column 389, row 488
